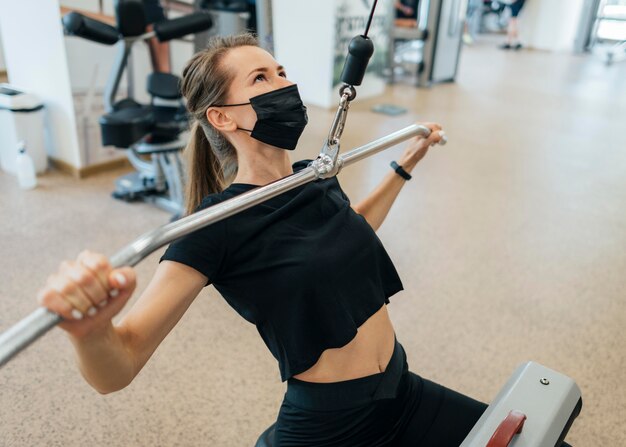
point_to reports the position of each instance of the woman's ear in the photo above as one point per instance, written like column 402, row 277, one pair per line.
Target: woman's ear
column 220, row 120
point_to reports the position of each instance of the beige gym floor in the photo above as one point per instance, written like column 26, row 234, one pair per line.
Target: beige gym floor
column 511, row 242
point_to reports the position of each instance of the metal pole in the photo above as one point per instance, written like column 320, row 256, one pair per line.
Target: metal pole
column 586, row 23
column 264, row 25
column 29, row 329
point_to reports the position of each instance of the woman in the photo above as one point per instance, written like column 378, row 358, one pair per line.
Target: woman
column 348, row 380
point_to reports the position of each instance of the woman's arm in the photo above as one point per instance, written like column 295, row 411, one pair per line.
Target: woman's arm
column 109, row 361
column 173, row 288
column 88, row 294
column 377, row 204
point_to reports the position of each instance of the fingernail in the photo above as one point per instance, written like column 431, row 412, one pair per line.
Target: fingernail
column 76, row 314
column 120, row 279
column 444, row 139
column 113, row 293
column 91, row 264
column 92, row 311
column 103, row 303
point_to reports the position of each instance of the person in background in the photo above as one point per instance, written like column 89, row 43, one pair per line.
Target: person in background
column 472, row 20
column 406, row 12
column 512, row 35
column 159, row 51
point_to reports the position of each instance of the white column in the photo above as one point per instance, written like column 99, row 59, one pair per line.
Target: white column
column 36, row 62
column 550, row 25
column 2, row 64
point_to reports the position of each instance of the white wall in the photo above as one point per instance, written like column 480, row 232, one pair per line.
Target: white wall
column 2, row 63
column 36, row 62
column 550, row 24
column 308, row 58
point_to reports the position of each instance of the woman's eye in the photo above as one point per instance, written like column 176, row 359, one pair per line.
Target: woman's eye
column 260, row 77
column 283, row 74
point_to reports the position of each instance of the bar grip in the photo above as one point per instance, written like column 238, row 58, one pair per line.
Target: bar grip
column 76, row 24
column 508, row 428
column 189, row 24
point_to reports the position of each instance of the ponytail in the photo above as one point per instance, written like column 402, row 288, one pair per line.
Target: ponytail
column 205, row 175
column 211, row 158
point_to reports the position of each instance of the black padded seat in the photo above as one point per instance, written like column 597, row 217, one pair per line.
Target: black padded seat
column 169, row 122
column 124, row 127
column 164, row 85
column 267, row 437
column 172, row 116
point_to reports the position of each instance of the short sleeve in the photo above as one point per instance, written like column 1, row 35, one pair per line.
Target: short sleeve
column 202, row 250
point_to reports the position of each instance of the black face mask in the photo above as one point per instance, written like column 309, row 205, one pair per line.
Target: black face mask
column 281, row 117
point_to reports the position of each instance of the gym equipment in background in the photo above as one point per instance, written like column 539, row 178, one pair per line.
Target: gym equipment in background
column 229, row 17
column 237, row 16
column 429, row 51
column 442, row 47
column 143, row 130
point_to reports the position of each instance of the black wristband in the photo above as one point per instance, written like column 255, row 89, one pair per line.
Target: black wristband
column 401, row 172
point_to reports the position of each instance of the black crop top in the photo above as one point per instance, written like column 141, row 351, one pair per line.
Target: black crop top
column 303, row 267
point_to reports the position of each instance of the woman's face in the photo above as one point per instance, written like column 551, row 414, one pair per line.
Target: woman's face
column 256, row 72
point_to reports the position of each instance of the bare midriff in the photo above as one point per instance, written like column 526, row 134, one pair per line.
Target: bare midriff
column 367, row 353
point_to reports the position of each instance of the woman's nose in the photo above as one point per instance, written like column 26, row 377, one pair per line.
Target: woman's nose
column 284, row 82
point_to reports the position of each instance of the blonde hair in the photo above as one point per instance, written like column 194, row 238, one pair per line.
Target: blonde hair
column 211, row 158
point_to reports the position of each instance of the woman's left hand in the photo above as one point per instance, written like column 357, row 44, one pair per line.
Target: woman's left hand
column 418, row 146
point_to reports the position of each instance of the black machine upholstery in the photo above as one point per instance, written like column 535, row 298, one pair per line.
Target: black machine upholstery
column 172, row 29
column 164, row 85
column 152, row 132
column 76, row 24
column 126, row 126
column 130, row 17
column 130, row 122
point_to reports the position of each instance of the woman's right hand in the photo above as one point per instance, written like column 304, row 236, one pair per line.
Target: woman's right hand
column 87, row 293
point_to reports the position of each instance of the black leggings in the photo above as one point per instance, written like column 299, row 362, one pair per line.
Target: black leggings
column 394, row 408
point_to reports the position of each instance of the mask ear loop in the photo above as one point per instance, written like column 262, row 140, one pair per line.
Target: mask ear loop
column 234, row 105
column 231, row 105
